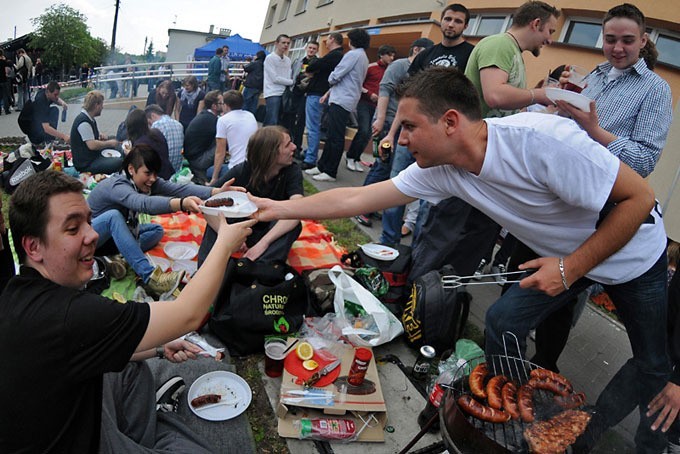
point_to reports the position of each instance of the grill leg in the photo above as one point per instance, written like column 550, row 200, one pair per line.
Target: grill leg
column 420, row 434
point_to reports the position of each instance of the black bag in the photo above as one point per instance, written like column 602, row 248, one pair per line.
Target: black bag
column 257, row 300
column 16, row 172
column 433, row 315
column 288, row 101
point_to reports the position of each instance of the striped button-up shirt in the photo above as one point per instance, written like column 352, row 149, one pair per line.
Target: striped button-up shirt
column 173, row 131
column 637, row 108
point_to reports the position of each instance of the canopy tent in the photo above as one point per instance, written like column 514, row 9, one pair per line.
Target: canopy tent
column 239, row 48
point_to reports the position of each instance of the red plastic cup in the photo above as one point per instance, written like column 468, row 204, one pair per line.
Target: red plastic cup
column 273, row 357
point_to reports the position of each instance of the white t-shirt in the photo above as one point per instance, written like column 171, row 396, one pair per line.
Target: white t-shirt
column 545, row 181
column 236, row 126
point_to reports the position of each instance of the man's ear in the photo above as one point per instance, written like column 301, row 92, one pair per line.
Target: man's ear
column 33, row 247
column 451, row 119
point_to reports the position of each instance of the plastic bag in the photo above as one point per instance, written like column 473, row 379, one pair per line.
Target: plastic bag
column 184, row 176
column 378, row 324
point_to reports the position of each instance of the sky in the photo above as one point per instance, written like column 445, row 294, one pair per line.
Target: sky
column 138, row 19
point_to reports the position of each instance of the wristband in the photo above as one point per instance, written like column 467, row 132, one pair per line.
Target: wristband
column 181, row 204
column 564, row 277
column 160, row 352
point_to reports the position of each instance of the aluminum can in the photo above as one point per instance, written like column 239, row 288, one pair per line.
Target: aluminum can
column 421, row 368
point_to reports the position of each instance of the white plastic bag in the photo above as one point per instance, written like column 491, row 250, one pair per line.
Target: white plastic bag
column 386, row 326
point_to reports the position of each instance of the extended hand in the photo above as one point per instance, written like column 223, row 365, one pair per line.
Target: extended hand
column 227, row 187
column 546, row 279
column 180, row 350
column 266, row 208
column 192, row 204
column 668, row 401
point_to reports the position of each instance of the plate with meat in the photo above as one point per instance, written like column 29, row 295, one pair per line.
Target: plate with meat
column 379, row 252
column 219, row 395
column 231, row 204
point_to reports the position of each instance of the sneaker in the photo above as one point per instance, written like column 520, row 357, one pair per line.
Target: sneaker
column 164, row 282
column 363, row 220
column 350, row 165
column 499, row 269
column 480, row 270
column 323, row 177
column 307, row 165
column 313, row 171
column 167, row 396
column 116, row 266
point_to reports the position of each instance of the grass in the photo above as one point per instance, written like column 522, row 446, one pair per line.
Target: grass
column 69, row 94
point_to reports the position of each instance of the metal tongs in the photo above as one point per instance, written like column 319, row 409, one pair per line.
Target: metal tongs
column 453, row 281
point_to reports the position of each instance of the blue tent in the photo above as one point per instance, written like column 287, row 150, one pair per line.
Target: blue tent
column 239, row 48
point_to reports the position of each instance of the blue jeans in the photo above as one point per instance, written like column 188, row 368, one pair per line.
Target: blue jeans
column 313, row 112
column 641, row 306
column 251, row 97
column 335, row 142
column 111, row 224
column 392, row 217
column 364, row 118
column 273, row 109
column 212, row 85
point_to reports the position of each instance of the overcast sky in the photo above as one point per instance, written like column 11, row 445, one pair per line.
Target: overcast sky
column 138, row 19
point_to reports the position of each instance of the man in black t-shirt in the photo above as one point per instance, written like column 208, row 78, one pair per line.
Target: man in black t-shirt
column 5, row 85
column 199, row 137
column 45, row 117
column 74, row 379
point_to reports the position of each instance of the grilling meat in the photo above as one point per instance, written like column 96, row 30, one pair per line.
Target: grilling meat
column 545, row 374
column 509, row 396
column 220, row 202
column 549, row 385
column 556, row 434
column 476, row 380
column 480, row 411
column 525, row 400
column 571, row 401
column 493, row 391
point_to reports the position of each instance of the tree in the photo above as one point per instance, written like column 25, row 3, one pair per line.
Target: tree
column 149, row 52
column 63, row 34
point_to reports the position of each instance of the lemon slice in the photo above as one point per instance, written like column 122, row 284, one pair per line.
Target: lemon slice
column 304, row 351
column 310, row 364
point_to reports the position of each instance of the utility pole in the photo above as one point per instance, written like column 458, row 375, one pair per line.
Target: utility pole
column 115, row 24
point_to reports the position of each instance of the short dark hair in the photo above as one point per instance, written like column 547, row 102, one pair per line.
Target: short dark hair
column 233, row 99
column 438, row 89
column 627, row 11
column 457, row 8
column 142, row 155
column 136, row 124
column 29, row 205
column 359, row 38
column 260, row 55
column 211, row 98
column 316, row 43
column 218, row 51
column 533, row 10
column 153, row 108
column 386, row 49
column 337, row 37
column 282, row 35
column 53, row 86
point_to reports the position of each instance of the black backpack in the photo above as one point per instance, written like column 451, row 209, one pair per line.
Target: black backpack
column 434, row 315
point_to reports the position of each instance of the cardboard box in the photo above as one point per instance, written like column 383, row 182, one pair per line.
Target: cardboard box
column 344, row 402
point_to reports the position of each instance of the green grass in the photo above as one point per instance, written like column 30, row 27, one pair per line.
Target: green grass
column 69, row 94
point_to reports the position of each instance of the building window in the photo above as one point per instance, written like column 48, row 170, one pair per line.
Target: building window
column 284, row 10
column 485, row 25
column 270, row 16
column 582, row 33
column 669, row 48
column 301, row 6
column 324, row 2
column 297, row 46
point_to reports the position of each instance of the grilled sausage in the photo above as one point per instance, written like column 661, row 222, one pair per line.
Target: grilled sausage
column 476, row 380
column 571, row 401
column 550, row 385
column 493, row 391
column 525, row 400
column 205, row 400
column 543, row 374
column 479, row 411
column 509, row 396
column 220, row 202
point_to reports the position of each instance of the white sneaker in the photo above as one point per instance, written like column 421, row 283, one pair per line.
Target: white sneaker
column 358, row 167
column 499, row 269
column 351, row 165
column 480, row 269
column 313, row 171
column 323, row 177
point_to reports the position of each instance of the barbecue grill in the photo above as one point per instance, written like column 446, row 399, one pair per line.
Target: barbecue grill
column 465, row 434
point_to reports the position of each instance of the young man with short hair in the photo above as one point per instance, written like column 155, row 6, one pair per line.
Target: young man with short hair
column 78, row 381
column 45, row 115
column 215, row 70
column 277, row 77
column 294, row 120
column 199, row 138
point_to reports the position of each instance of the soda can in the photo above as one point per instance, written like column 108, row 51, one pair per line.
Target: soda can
column 421, row 368
column 386, row 151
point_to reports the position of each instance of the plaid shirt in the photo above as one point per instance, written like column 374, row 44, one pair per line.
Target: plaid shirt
column 637, row 108
column 173, row 131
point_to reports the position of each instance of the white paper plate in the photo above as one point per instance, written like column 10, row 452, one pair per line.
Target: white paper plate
column 162, row 262
column 242, row 207
column 189, row 266
column 379, row 252
column 180, row 251
column 111, row 153
column 230, row 386
column 573, row 98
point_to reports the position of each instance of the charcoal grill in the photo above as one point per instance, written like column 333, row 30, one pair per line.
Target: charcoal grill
column 465, row 434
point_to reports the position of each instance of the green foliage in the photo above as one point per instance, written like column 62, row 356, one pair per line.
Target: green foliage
column 149, row 52
column 63, row 33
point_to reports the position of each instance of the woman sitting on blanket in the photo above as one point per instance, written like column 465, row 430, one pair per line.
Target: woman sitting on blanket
column 117, row 201
column 139, row 133
column 270, row 172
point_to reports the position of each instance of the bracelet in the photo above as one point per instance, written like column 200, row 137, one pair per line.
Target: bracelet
column 181, row 203
column 533, row 98
column 160, row 352
column 564, row 277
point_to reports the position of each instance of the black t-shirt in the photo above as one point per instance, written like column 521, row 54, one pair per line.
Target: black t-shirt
column 56, row 343
column 200, row 134
column 439, row 55
column 3, row 75
column 322, row 68
column 41, row 108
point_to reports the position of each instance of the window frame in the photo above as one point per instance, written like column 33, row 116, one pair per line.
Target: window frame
column 285, row 10
column 323, row 3
column 270, row 16
column 476, row 20
column 581, row 19
column 301, row 7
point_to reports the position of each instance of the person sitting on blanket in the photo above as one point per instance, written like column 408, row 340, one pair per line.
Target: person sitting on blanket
column 268, row 172
column 116, row 201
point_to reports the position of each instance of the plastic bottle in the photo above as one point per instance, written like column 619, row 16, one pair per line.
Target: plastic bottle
column 435, row 393
column 325, row 428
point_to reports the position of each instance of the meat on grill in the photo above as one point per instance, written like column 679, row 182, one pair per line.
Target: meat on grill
column 545, row 374
column 493, row 391
column 480, row 411
column 525, row 400
column 556, row 434
column 509, row 396
column 547, row 384
column 571, row 401
column 476, row 380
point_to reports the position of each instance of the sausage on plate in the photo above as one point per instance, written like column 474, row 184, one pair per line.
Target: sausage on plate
column 205, row 400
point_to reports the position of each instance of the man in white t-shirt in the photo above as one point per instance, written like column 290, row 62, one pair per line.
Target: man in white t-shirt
column 234, row 129
column 277, row 76
column 588, row 216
